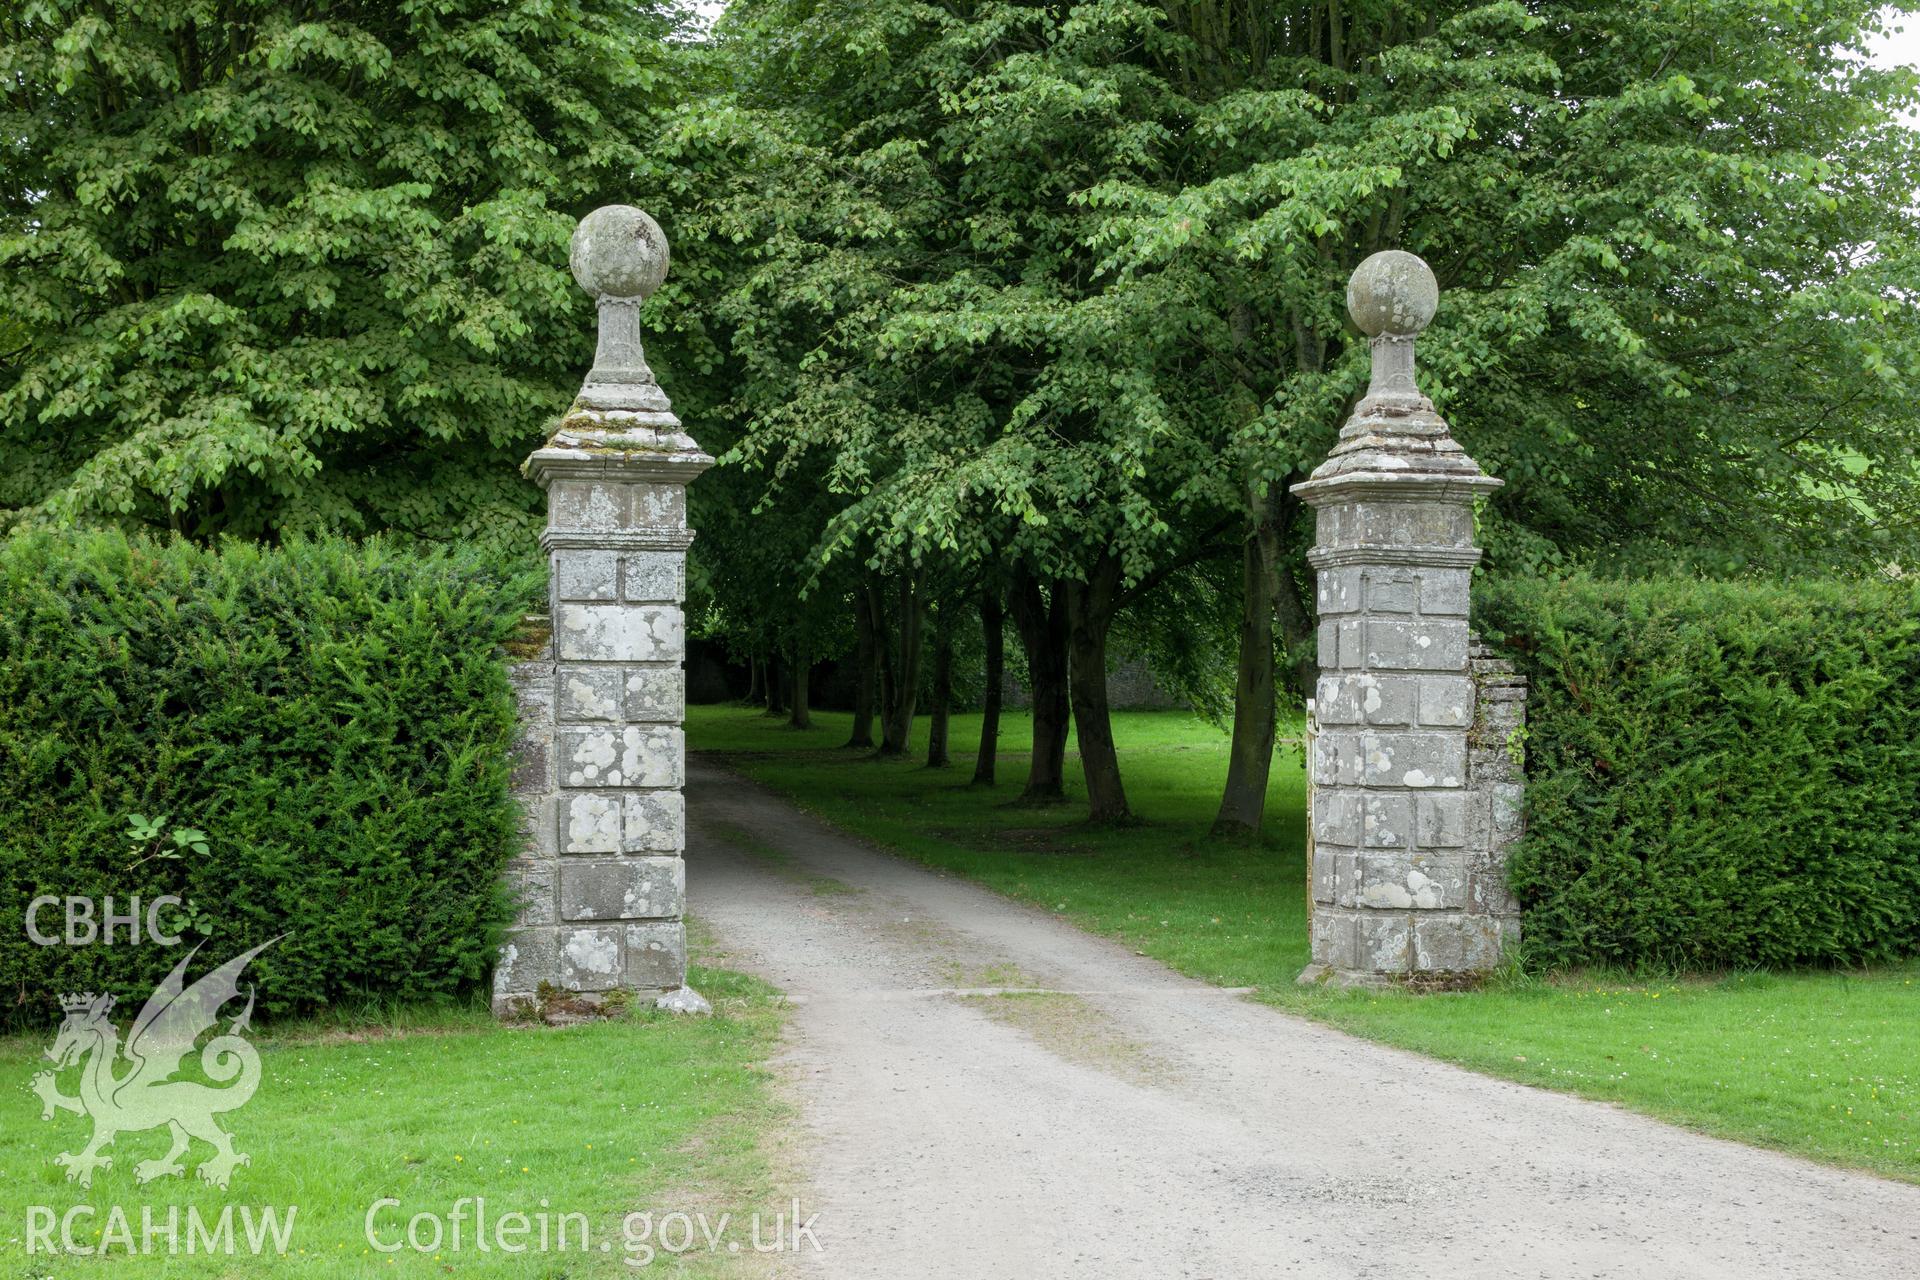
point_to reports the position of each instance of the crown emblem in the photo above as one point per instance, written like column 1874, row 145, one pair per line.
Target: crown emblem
column 145, row 1094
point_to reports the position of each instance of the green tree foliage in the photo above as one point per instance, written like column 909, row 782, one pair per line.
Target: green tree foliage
column 1062, row 286
column 1040, row 300
column 1718, row 774
column 301, row 266
column 334, row 719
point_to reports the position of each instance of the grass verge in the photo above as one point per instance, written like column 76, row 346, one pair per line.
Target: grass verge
column 436, row 1109
column 1825, row 1064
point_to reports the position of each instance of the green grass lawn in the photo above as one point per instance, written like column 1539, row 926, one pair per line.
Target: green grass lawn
column 1825, row 1065
column 649, row 1113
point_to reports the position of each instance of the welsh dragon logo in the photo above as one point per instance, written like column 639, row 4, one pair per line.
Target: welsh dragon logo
column 130, row 1088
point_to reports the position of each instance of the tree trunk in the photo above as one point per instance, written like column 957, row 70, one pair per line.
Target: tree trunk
column 993, row 632
column 866, row 677
column 754, row 692
column 897, row 731
column 937, row 755
column 1243, row 801
column 802, row 672
column 883, row 646
column 776, row 684
column 1043, row 635
column 1090, row 609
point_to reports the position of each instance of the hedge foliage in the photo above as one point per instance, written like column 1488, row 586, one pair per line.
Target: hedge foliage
column 1719, row 774
column 334, row 717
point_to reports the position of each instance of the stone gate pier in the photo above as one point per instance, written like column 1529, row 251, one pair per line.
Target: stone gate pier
column 1415, row 774
column 602, row 757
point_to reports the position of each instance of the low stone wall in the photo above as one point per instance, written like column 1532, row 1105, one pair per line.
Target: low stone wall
column 1130, row 687
column 1496, row 780
column 530, row 955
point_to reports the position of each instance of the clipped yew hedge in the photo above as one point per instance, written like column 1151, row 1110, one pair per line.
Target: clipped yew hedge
column 333, row 717
column 1719, row 774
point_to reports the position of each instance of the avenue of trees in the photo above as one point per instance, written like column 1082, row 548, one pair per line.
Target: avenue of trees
column 1011, row 322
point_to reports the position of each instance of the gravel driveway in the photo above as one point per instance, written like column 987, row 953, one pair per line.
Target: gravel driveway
column 989, row 1092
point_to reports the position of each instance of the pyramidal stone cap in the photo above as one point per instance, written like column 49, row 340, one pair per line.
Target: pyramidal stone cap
column 1395, row 442
column 622, row 419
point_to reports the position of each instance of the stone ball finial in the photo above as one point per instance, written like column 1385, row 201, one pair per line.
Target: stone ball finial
column 619, row 252
column 1393, row 293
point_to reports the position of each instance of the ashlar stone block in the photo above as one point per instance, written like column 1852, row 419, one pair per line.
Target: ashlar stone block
column 1338, row 760
column 1426, row 645
column 1412, row 759
column 1335, row 938
column 1333, row 876
column 1440, row 820
column 586, row 575
column 635, row 755
column 622, row 889
column 590, row 958
column 654, row 822
column 1387, row 821
column 539, row 825
column 1445, row 593
column 529, row 956
column 1384, row 940
column 1334, row 702
column 1343, row 645
column 1487, row 890
column 532, row 881
column 592, row 693
column 533, row 743
column 1440, row 523
column 1395, row 522
column 654, row 576
column 619, row 633
column 1353, row 645
column 589, row 505
column 1365, row 698
column 659, row 506
column 1341, row 590
column 1455, row 942
column 590, row 823
column 656, row 955
column 657, row 693
column 1390, row 590
column 1507, row 798
column 1336, row 816
column 532, row 763
column 1411, row 882
column 1446, row 701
